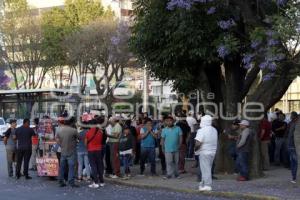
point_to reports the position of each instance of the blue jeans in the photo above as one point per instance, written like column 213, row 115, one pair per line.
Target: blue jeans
column 279, row 142
column 148, row 154
column 83, row 159
column 243, row 164
column 233, row 154
column 71, row 168
column 125, row 162
column 191, row 145
column 294, row 163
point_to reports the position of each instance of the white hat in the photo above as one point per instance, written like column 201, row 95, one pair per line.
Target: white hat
column 245, row 123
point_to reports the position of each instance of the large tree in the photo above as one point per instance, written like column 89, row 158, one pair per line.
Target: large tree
column 21, row 46
column 240, row 50
column 101, row 49
column 57, row 25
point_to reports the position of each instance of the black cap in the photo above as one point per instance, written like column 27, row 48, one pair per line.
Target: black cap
column 236, row 122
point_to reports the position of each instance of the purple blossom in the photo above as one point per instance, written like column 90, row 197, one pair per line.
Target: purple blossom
column 202, row 1
column 226, row 24
column 264, row 65
column 272, row 42
column 223, row 51
column 248, row 66
column 255, row 44
column 211, row 10
column 268, row 77
column 185, row 4
column 247, row 59
column 281, row 2
column 272, row 66
column 4, row 80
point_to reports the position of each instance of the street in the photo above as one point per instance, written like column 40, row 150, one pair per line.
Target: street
column 42, row 188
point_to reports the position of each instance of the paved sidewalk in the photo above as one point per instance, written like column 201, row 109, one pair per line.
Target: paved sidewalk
column 274, row 185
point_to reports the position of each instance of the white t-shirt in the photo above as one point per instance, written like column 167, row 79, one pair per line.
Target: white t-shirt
column 208, row 136
column 108, row 130
column 191, row 122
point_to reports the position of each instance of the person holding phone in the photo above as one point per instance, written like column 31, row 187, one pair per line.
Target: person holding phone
column 148, row 137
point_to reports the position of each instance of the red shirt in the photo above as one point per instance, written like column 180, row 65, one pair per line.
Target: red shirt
column 35, row 138
column 95, row 143
column 267, row 126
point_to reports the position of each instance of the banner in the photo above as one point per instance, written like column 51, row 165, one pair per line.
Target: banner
column 47, row 166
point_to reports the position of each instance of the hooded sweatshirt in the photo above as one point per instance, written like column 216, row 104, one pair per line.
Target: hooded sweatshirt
column 208, row 136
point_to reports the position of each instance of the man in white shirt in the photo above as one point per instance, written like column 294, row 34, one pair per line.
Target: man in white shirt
column 192, row 122
column 206, row 147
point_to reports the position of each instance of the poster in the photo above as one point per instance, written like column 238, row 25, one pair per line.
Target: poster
column 47, row 166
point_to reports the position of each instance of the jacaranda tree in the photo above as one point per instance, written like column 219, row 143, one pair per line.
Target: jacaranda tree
column 240, row 50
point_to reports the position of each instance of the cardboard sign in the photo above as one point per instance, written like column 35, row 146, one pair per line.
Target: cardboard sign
column 47, row 166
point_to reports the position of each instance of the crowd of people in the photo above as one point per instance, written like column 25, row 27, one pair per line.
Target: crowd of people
column 87, row 150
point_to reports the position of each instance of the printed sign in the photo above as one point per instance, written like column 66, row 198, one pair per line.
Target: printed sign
column 47, row 166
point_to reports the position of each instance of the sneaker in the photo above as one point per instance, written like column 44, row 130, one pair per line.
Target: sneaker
column 62, row 184
column 93, row 185
column 129, row 175
column 167, row 177
column 293, row 181
column 205, row 188
column 178, row 177
column 110, row 176
column 241, row 178
column 102, row 184
column 114, row 177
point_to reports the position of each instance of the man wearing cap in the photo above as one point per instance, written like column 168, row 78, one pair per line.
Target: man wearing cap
column 232, row 135
column 206, row 148
column 243, row 149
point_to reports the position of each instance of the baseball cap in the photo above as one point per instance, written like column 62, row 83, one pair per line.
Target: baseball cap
column 245, row 123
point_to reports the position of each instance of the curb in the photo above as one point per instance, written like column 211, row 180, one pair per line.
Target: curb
column 190, row 191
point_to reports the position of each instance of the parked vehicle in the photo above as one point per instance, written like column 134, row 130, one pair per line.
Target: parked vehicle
column 3, row 127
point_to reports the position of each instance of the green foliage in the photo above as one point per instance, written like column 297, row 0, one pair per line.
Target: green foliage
column 82, row 12
column 180, row 44
column 173, row 43
column 55, row 28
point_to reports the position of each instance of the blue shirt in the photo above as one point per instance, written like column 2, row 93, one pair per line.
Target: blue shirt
column 172, row 138
column 148, row 141
column 81, row 148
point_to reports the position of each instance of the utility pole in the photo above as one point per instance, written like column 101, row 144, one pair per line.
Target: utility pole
column 145, row 90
